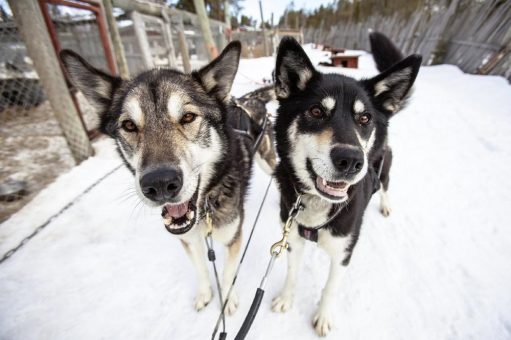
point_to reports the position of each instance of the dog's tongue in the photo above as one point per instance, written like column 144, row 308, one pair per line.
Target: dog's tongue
column 177, row 210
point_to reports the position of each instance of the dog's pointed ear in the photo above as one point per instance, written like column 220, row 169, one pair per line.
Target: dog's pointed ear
column 217, row 77
column 293, row 69
column 390, row 88
column 97, row 86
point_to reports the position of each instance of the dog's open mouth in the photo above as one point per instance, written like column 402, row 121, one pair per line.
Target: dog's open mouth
column 332, row 190
column 180, row 218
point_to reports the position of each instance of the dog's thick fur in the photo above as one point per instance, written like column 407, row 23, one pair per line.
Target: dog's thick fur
column 331, row 133
column 176, row 133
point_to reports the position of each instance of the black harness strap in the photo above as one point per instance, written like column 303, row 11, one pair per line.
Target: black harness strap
column 311, row 234
column 244, row 125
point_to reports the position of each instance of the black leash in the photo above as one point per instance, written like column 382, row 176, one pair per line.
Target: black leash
column 275, row 251
column 11, row 252
column 222, row 312
column 212, row 259
column 209, row 238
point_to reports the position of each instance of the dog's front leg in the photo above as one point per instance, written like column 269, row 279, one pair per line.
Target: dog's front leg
column 322, row 320
column 335, row 247
column 283, row 302
column 195, row 248
column 230, row 236
column 231, row 260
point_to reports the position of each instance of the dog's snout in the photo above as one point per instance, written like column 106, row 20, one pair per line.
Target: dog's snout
column 161, row 184
column 347, row 160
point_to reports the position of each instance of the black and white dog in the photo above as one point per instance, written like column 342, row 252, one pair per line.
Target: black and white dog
column 179, row 134
column 331, row 133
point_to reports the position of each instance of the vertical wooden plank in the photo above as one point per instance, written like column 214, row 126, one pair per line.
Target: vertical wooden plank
column 167, row 34
column 143, row 43
column 200, row 9
column 183, row 46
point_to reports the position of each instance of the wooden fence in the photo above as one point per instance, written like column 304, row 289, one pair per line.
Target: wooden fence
column 474, row 35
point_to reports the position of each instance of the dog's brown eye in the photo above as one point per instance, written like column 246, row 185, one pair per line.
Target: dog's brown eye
column 316, row 112
column 188, row 118
column 129, row 126
column 364, row 119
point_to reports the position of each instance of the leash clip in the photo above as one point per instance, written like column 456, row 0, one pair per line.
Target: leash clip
column 209, row 220
column 277, row 248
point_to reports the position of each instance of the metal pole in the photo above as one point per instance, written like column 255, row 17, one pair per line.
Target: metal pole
column 105, row 41
column 264, row 29
column 31, row 25
column 120, row 57
column 200, row 8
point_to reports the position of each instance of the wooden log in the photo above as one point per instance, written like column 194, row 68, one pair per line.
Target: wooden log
column 200, row 9
column 30, row 22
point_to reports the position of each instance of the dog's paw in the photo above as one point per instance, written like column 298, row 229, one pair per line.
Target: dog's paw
column 282, row 303
column 322, row 323
column 232, row 304
column 202, row 299
column 384, row 203
column 385, row 210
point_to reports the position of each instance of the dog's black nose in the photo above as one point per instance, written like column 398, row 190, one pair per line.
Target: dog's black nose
column 347, row 160
column 161, row 184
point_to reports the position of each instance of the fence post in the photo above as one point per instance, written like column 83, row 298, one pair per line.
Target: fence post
column 265, row 43
column 227, row 19
column 143, row 43
column 200, row 9
column 167, row 33
column 122, row 64
column 31, row 25
column 183, row 46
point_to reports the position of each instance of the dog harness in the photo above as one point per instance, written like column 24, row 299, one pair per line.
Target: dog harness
column 310, row 234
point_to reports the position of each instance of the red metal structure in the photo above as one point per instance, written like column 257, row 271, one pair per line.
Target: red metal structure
column 96, row 8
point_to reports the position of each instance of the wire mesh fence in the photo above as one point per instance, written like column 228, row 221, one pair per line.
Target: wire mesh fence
column 33, row 149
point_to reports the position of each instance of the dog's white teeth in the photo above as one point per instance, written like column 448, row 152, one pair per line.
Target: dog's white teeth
column 168, row 221
column 325, row 183
column 190, row 215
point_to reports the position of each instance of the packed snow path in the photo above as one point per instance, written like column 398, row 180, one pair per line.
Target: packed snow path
column 438, row 268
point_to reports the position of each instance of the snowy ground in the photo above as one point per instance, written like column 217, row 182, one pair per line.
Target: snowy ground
column 438, row 268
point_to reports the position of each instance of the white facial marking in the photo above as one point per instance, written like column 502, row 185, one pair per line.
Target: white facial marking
column 302, row 146
column 328, row 103
column 367, row 144
column 358, row 106
column 175, row 105
column 134, row 111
